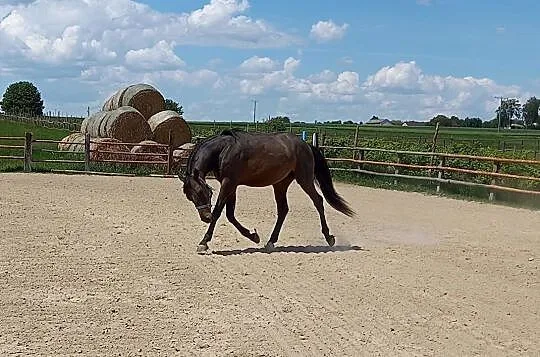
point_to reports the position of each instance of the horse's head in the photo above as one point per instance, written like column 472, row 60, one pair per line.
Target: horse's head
column 200, row 193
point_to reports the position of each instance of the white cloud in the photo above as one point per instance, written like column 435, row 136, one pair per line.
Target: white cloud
column 56, row 31
column 258, row 64
column 161, row 56
column 324, row 31
column 413, row 91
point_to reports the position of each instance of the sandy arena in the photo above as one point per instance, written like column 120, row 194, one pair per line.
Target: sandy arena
column 106, row 266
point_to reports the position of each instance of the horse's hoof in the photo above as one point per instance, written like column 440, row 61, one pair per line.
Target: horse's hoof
column 331, row 240
column 269, row 246
column 254, row 237
column 202, row 249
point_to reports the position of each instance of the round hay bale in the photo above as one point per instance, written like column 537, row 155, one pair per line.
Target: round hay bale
column 72, row 142
column 181, row 155
column 152, row 148
column 143, row 97
column 169, row 120
column 125, row 124
column 101, row 149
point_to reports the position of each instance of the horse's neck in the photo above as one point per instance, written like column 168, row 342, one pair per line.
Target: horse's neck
column 207, row 159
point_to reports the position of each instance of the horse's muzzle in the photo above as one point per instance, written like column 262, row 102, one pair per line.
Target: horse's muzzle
column 206, row 215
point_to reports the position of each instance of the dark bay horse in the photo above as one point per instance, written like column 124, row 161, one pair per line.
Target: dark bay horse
column 257, row 160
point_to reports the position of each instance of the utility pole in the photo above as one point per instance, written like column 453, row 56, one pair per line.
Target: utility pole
column 499, row 113
column 254, row 109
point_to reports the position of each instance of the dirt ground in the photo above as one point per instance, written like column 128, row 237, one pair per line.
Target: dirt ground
column 107, row 266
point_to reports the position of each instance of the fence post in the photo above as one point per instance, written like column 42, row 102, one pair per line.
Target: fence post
column 496, row 169
column 434, row 145
column 315, row 140
column 442, row 162
column 27, row 152
column 355, row 141
column 169, row 154
column 361, row 157
column 396, row 168
column 87, row 152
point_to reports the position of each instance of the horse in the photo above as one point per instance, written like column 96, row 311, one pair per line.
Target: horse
column 237, row 158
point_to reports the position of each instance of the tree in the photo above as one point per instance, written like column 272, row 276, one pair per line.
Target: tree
column 530, row 112
column 507, row 111
column 472, row 122
column 172, row 105
column 22, row 98
column 278, row 123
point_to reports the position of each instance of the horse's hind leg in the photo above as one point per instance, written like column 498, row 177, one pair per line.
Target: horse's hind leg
column 308, row 186
column 280, row 195
column 230, row 206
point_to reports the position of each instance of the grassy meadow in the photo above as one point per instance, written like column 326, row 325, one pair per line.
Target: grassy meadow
column 520, row 144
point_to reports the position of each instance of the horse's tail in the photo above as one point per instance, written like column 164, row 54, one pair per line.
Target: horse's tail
column 324, row 180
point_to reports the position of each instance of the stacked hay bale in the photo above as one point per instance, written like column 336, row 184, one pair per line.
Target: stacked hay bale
column 143, row 97
column 134, row 114
column 149, row 150
column 181, row 155
column 169, row 121
column 125, row 124
column 74, row 142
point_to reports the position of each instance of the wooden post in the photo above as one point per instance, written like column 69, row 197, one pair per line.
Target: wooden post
column 355, row 141
column 169, row 154
column 434, row 145
column 441, row 173
column 315, row 140
column 87, row 152
column 27, row 152
column 396, row 169
column 496, row 168
column 361, row 157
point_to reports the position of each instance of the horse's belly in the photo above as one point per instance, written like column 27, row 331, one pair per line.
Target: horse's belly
column 266, row 174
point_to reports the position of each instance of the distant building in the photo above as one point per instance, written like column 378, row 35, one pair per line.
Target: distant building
column 378, row 122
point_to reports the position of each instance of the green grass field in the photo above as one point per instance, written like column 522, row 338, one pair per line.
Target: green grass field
column 481, row 142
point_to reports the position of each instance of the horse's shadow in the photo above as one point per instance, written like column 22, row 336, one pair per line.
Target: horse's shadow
column 309, row 249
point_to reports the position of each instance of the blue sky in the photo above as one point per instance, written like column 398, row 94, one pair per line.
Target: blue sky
column 317, row 60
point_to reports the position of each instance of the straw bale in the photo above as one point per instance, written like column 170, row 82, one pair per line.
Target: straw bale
column 72, row 142
column 143, row 97
column 125, row 124
column 101, row 149
column 169, row 120
column 149, row 150
column 181, row 155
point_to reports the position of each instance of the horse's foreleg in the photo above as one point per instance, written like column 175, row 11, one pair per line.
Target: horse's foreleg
column 280, row 195
column 226, row 189
column 231, row 204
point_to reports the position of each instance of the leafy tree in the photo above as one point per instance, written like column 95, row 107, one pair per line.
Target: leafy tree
column 472, row 122
column 172, row 105
column 530, row 111
column 508, row 110
column 278, row 123
column 22, row 98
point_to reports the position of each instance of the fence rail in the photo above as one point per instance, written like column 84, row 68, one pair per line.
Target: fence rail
column 440, row 170
column 92, row 154
column 435, row 172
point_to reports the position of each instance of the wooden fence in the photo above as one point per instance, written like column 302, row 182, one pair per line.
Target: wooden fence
column 55, row 122
column 26, row 148
column 435, row 173
column 437, row 168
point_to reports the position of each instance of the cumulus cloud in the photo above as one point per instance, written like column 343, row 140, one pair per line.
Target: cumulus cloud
column 324, row 31
column 101, row 30
column 413, row 91
column 258, row 64
column 160, row 56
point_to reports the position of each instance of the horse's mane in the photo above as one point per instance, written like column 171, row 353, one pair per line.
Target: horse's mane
column 227, row 132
